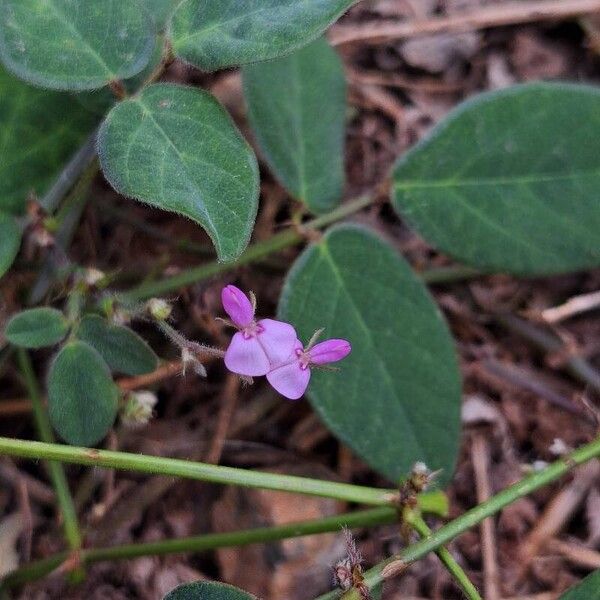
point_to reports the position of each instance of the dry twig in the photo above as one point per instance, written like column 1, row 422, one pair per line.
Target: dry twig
column 506, row 13
column 480, row 456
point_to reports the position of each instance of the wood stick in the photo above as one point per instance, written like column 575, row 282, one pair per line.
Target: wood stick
column 480, row 456
column 506, row 13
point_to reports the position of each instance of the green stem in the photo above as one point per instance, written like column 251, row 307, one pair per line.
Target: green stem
column 419, row 525
column 67, row 217
column 374, row 577
column 279, row 241
column 72, row 171
column 55, row 470
column 364, row 518
column 434, row 502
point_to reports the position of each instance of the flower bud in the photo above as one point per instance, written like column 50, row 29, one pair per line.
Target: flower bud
column 138, row 409
column 159, row 309
column 93, row 276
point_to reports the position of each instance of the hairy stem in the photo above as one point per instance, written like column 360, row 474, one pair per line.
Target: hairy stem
column 434, row 502
column 375, row 576
column 461, row 578
column 55, row 470
column 364, row 518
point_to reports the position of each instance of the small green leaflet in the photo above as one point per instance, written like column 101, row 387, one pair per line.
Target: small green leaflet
column 36, row 328
column 40, row 132
column 509, row 181
column 396, row 399
column 176, row 148
column 208, row 590
column 297, row 109
column 10, row 241
column 123, row 350
column 75, row 44
column 82, row 397
column 214, row 34
column 588, row 589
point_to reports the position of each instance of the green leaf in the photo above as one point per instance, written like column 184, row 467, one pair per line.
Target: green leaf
column 509, row 181
column 40, row 132
column 213, row 34
column 36, row 328
column 588, row 589
column 82, row 397
column 208, row 590
column 297, row 109
column 74, row 45
column 396, row 399
column 176, row 148
column 10, row 241
column 123, row 350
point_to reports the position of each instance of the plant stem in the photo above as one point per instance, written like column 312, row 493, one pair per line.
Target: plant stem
column 431, row 502
column 55, row 470
column 374, row 576
column 364, row 518
column 72, row 171
column 279, row 241
column 68, row 217
column 419, row 525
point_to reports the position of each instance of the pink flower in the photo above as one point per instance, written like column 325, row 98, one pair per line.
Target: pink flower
column 259, row 345
column 290, row 377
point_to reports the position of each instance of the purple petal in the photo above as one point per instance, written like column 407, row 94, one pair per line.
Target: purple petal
column 329, row 351
column 279, row 341
column 290, row 380
column 245, row 356
column 237, row 305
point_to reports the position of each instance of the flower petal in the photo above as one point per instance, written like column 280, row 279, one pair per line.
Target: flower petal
column 237, row 305
column 279, row 341
column 246, row 356
column 329, row 351
column 290, row 380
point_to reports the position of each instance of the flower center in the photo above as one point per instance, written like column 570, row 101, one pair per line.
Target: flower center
column 252, row 330
column 303, row 358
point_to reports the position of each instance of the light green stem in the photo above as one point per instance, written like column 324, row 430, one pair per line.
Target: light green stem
column 55, row 470
column 255, row 252
column 364, row 518
column 279, row 241
column 434, row 502
column 373, row 577
column 417, row 523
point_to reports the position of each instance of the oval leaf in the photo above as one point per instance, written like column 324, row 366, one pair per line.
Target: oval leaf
column 297, row 109
column 176, row 148
column 213, row 34
column 509, row 181
column 208, row 590
column 82, row 397
column 588, row 589
column 397, row 398
column 10, row 241
column 36, row 328
column 74, row 44
column 123, row 350
column 40, row 131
